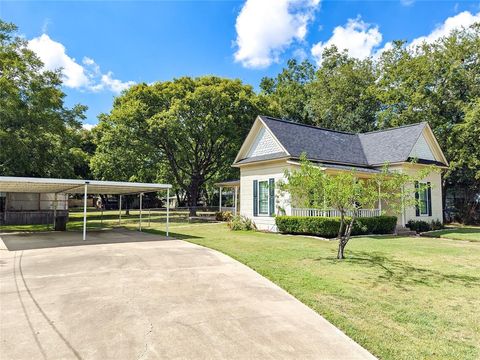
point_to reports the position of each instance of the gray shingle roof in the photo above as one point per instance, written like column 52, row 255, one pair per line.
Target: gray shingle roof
column 390, row 145
column 324, row 145
column 317, row 143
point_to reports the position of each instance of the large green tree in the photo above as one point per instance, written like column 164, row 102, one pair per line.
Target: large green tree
column 39, row 135
column 438, row 83
column 288, row 93
column 125, row 150
column 343, row 95
column 188, row 130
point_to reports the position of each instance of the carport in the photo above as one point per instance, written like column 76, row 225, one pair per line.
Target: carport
column 85, row 187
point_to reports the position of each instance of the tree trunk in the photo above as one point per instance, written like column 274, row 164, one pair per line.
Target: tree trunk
column 128, row 203
column 342, row 224
column 345, row 237
column 341, row 248
column 193, row 194
column 178, row 198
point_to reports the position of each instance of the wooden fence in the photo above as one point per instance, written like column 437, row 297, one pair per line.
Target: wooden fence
column 30, row 217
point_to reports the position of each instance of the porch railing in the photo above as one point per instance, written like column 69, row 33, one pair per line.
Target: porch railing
column 333, row 213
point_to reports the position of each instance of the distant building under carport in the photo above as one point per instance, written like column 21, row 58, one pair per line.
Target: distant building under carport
column 50, row 193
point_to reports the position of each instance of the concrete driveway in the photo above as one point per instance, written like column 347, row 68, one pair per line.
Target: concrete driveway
column 128, row 295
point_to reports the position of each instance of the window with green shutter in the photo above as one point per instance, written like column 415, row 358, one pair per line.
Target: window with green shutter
column 423, row 196
column 271, row 202
column 263, row 196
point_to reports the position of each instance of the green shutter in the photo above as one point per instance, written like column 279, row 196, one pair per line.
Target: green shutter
column 255, row 197
column 429, row 199
column 417, row 196
column 271, row 188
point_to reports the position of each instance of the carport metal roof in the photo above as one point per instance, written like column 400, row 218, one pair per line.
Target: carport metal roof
column 75, row 186
column 78, row 186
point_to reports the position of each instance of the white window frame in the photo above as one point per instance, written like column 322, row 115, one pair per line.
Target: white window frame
column 423, row 188
column 267, row 214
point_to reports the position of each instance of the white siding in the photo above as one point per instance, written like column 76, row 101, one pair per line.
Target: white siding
column 421, row 150
column 435, row 180
column 264, row 144
column 262, row 172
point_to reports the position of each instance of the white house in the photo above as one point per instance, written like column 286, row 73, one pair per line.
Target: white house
column 274, row 145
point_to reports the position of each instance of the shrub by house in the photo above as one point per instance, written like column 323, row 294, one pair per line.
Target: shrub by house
column 328, row 227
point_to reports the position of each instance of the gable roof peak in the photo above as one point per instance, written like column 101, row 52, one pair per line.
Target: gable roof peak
column 263, row 117
column 394, row 128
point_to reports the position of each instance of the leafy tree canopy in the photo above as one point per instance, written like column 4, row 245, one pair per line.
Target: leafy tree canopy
column 39, row 136
column 188, row 129
column 288, row 94
column 343, row 93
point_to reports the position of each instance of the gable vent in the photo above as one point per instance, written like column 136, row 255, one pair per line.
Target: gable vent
column 264, row 144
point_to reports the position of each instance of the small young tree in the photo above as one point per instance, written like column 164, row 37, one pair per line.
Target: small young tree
column 310, row 187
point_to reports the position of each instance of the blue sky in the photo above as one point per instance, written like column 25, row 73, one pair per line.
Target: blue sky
column 106, row 46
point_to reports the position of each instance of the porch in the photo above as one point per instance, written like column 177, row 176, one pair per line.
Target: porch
column 333, row 213
column 233, row 187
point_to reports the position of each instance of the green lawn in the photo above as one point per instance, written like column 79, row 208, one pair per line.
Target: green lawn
column 469, row 233
column 401, row 298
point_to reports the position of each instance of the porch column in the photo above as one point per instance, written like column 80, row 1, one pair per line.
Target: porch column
column 220, row 200
column 403, row 207
column 379, row 199
column 235, row 197
column 324, row 203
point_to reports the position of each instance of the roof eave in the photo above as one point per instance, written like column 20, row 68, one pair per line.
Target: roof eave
column 260, row 161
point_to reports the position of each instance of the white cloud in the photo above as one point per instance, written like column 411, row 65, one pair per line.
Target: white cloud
column 463, row 19
column 265, row 28
column 85, row 76
column 53, row 55
column 456, row 22
column 357, row 37
column 88, row 126
column 115, row 85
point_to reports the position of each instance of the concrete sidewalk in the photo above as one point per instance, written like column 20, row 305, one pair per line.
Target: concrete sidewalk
column 149, row 299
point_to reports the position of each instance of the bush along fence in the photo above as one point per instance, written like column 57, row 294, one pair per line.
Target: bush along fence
column 328, row 227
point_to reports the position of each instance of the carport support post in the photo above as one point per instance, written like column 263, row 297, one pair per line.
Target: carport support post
column 54, row 211
column 168, row 208
column 140, row 219
column 85, row 211
column 120, row 211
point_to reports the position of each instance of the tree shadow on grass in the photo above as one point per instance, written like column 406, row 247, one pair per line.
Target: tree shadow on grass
column 402, row 273
column 454, row 232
